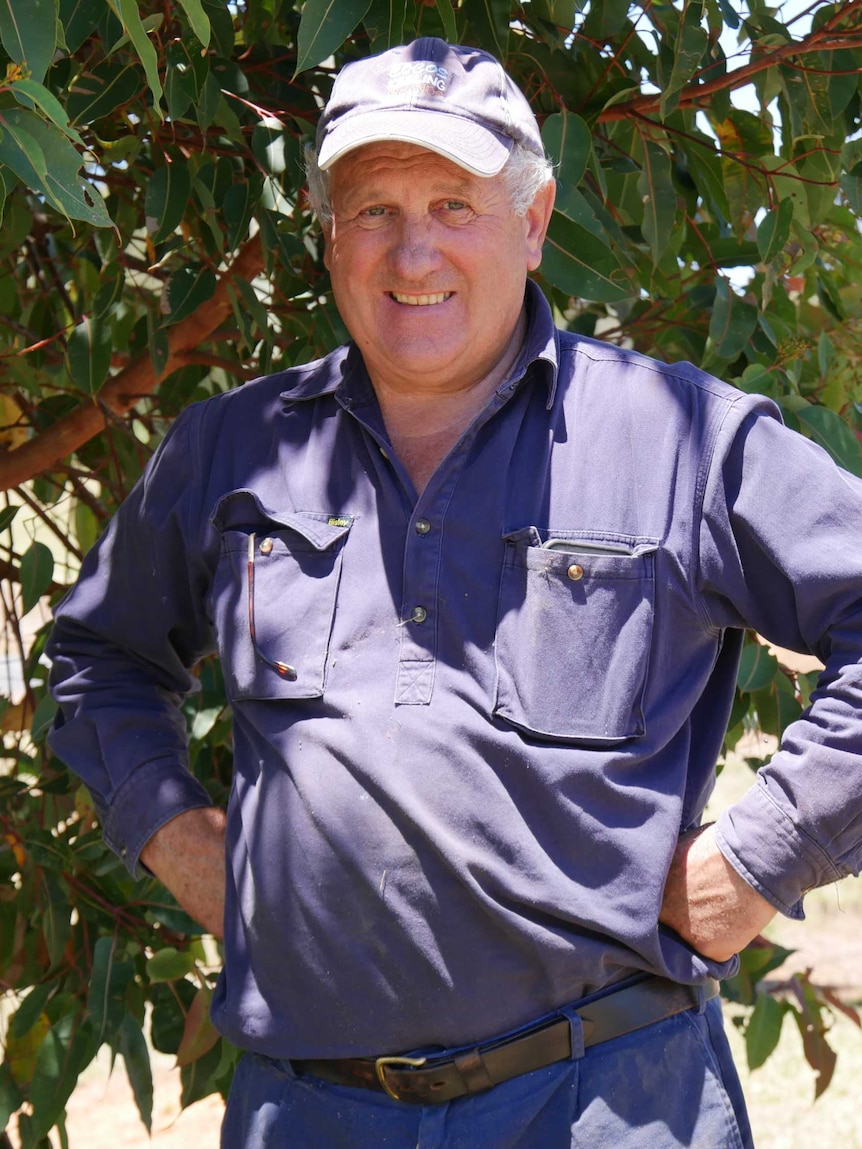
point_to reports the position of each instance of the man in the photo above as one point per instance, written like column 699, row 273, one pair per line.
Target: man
column 478, row 587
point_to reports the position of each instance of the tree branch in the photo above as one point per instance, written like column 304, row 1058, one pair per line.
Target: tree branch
column 123, row 390
column 825, row 39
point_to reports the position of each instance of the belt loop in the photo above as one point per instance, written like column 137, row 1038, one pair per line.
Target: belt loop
column 702, row 999
column 576, row 1031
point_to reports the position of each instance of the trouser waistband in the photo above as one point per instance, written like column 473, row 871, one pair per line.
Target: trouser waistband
column 437, row 1078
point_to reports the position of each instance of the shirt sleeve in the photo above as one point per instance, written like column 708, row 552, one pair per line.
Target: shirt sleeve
column 781, row 552
column 124, row 640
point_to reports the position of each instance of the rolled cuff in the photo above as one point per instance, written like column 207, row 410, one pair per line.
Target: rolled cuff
column 771, row 853
column 152, row 795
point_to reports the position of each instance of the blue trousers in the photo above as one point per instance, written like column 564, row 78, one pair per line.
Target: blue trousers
column 670, row 1084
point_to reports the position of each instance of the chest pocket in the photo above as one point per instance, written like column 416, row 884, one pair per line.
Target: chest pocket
column 274, row 596
column 574, row 630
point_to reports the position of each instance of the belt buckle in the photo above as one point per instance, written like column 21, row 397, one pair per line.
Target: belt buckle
column 380, row 1064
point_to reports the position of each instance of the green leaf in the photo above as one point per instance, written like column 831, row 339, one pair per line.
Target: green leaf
column 7, row 514
column 851, row 185
column 656, row 188
column 28, row 31
column 56, row 911
column 170, row 964
column 238, row 207
column 490, row 18
column 581, row 264
column 25, row 143
column 100, row 92
column 447, row 17
column 732, row 322
column 43, row 717
column 199, row 23
column 323, row 27
column 757, row 667
column 67, row 1049
column 171, row 1002
column 568, row 141
column 132, row 1046
column 79, row 19
column 832, row 433
column 37, row 570
column 157, row 344
column 11, row 1097
column 128, row 12
column 168, row 193
column 30, row 1010
column 558, row 12
column 255, row 308
column 384, row 22
column 690, row 43
column 34, row 93
column 198, row 1078
column 773, row 231
column 89, row 354
column 187, row 289
column 199, row 1033
column 763, row 1029
column 108, row 981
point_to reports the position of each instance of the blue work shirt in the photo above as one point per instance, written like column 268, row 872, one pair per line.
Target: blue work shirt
column 500, row 702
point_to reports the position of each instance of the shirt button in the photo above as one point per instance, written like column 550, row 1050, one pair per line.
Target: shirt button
column 384, row 452
column 422, row 526
column 419, row 614
column 266, row 546
column 575, row 572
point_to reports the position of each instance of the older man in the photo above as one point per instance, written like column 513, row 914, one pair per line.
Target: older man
column 478, row 587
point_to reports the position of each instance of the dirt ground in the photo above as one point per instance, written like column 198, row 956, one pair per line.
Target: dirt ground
column 780, row 1095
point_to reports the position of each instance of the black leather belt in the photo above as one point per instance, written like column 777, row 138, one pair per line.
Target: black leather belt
column 430, row 1080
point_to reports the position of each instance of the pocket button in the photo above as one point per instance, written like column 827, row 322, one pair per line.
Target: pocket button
column 266, row 546
column 575, row 572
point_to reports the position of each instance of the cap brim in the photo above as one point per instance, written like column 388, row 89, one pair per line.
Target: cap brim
column 467, row 144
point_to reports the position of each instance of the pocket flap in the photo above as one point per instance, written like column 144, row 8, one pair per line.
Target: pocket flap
column 243, row 510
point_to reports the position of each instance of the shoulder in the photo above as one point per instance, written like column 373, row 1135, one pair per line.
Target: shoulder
column 261, row 396
column 621, row 376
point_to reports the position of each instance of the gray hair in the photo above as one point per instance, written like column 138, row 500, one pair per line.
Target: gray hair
column 524, row 174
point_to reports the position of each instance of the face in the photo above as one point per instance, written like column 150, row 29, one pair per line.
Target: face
column 428, row 266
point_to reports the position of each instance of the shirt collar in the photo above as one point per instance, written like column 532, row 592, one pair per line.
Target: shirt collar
column 344, row 371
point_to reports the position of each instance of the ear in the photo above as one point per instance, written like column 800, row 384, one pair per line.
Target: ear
column 537, row 219
column 327, row 245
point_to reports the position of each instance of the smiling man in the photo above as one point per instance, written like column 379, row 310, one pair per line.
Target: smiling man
column 479, row 587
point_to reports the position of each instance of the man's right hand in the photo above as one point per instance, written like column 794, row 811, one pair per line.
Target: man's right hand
column 188, row 856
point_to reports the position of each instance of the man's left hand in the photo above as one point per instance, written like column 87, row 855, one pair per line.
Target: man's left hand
column 708, row 903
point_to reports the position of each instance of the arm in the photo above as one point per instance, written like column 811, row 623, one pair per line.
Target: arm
column 780, row 553
column 124, row 640
column 188, row 856
column 707, row 902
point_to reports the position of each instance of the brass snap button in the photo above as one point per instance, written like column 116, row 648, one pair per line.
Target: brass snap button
column 575, row 572
column 266, row 546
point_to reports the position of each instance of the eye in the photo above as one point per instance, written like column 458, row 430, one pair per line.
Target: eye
column 374, row 212
column 454, row 205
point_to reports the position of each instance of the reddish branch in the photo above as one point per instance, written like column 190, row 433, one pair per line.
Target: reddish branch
column 125, row 389
column 827, row 38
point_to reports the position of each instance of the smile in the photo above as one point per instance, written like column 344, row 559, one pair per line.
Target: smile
column 421, row 300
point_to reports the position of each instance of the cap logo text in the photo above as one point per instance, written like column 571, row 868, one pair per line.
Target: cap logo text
column 418, row 78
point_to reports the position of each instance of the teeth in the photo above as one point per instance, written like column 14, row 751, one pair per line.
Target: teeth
column 421, row 300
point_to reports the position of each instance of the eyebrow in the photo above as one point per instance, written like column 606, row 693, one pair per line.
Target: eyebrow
column 371, row 193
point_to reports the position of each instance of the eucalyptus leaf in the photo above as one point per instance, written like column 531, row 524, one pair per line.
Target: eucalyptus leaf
column 28, row 32
column 323, row 26
column 37, row 571
column 89, row 354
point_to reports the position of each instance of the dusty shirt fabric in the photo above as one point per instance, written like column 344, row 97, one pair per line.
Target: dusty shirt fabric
column 509, row 693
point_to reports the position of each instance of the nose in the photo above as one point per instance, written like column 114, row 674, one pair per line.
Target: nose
column 414, row 254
